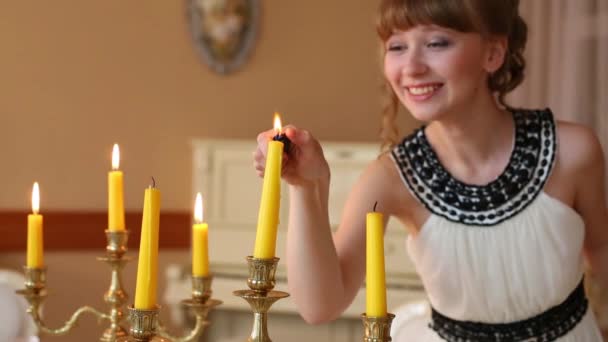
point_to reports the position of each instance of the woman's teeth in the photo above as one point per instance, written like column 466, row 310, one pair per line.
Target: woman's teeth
column 422, row 90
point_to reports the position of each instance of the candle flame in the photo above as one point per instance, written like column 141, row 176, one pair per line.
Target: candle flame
column 35, row 198
column 198, row 208
column 115, row 157
column 277, row 123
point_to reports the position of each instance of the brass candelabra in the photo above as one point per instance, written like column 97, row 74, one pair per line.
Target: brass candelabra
column 144, row 325
column 377, row 329
column 35, row 292
column 260, row 295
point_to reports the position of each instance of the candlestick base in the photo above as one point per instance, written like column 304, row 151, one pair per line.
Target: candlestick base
column 260, row 304
column 377, row 329
column 260, row 297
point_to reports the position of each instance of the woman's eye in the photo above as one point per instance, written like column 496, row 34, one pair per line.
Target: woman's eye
column 396, row 47
column 438, row 43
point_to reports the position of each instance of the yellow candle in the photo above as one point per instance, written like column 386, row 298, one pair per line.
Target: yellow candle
column 268, row 217
column 200, row 250
column 116, row 209
column 147, row 267
column 35, row 256
column 375, row 278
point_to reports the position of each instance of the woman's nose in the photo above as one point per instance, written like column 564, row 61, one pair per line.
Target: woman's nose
column 414, row 64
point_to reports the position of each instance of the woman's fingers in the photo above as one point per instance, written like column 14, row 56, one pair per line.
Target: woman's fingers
column 259, row 155
column 259, row 161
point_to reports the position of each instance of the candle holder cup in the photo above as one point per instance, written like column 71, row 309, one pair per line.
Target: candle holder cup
column 143, row 324
column 377, row 329
column 260, row 296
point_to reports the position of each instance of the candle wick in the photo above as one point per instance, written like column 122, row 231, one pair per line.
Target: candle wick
column 375, row 204
column 153, row 182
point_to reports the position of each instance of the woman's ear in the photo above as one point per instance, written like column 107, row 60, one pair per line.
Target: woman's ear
column 496, row 53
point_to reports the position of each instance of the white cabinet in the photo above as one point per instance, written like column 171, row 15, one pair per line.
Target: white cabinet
column 223, row 172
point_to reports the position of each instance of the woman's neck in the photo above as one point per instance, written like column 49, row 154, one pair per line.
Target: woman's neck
column 475, row 144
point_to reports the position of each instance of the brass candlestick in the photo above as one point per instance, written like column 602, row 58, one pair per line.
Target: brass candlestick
column 377, row 329
column 200, row 304
column 116, row 297
column 260, row 297
column 35, row 292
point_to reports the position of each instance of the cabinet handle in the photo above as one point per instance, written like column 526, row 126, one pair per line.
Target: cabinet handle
column 344, row 154
column 389, row 248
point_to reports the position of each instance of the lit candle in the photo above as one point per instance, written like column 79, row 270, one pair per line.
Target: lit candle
column 375, row 278
column 268, row 217
column 35, row 256
column 200, row 251
column 147, row 267
column 116, row 209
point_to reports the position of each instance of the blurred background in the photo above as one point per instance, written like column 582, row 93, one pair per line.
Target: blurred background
column 79, row 76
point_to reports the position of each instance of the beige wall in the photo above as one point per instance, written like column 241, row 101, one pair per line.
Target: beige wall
column 78, row 76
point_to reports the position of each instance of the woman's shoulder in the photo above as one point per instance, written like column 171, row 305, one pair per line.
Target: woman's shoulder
column 578, row 146
column 383, row 180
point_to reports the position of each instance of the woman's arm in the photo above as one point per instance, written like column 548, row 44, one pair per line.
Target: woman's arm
column 324, row 270
column 590, row 201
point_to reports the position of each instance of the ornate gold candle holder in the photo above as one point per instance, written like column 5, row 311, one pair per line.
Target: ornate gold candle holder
column 377, row 329
column 143, row 326
column 116, row 297
column 261, row 296
column 200, row 304
column 35, row 292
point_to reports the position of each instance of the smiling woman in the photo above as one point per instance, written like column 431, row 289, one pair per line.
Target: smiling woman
column 499, row 217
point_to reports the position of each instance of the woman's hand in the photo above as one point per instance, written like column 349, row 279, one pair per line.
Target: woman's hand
column 304, row 164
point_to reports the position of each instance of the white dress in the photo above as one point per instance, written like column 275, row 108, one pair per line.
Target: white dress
column 500, row 253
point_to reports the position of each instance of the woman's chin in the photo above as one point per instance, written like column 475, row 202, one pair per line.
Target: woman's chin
column 425, row 114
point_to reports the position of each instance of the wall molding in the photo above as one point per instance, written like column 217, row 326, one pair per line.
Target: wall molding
column 84, row 230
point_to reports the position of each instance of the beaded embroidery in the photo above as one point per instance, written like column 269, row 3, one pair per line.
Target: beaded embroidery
column 547, row 326
column 522, row 180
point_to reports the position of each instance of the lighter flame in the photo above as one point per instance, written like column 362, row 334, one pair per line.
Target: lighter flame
column 115, row 157
column 198, row 208
column 35, row 198
column 277, row 123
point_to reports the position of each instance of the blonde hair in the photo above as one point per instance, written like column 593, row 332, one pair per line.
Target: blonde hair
column 488, row 17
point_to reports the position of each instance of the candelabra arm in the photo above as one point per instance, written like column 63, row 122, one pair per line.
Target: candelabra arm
column 35, row 293
column 69, row 324
column 196, row 332
column 200, row 304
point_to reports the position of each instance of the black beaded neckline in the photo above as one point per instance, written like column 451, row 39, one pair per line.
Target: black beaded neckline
column 521, row 181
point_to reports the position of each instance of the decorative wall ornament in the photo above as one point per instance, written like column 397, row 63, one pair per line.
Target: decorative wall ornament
column 224, row 31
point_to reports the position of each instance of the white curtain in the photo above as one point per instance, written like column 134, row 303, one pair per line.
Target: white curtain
column 567, row 61
column 567, row 70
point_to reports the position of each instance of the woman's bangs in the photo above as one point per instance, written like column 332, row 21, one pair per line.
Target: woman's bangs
column 401, row 15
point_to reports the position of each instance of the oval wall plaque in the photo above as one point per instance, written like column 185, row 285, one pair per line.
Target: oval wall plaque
column 224, row 31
